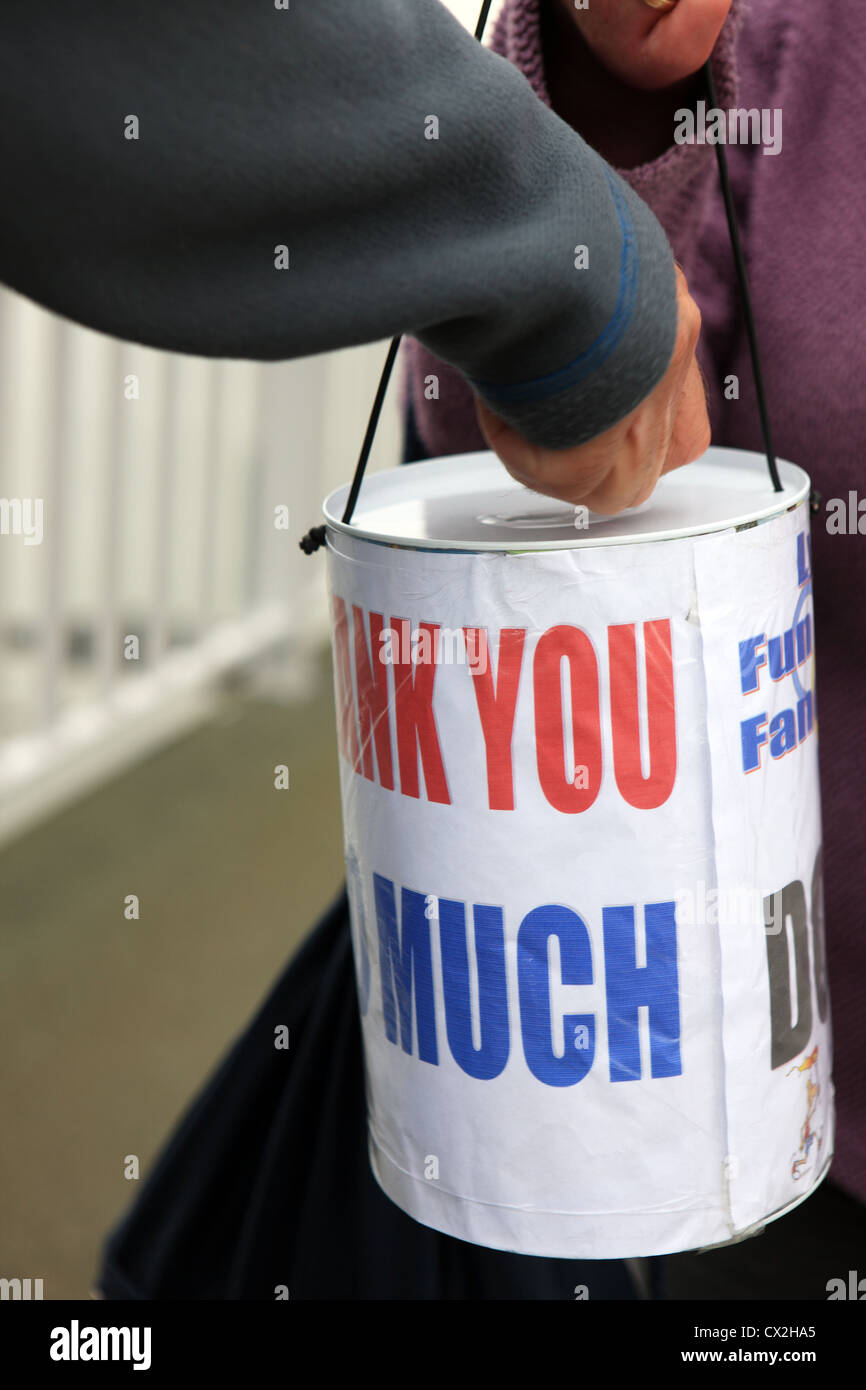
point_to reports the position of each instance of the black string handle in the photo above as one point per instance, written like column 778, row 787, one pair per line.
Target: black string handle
column 315, row 537
column 743, row 282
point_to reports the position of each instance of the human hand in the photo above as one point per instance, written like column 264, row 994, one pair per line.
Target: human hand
column 620, row 468
column 646, row 47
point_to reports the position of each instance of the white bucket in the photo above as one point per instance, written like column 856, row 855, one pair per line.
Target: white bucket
column 580, row 797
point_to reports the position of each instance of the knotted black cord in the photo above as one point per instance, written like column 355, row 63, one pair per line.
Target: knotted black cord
column 316, row 536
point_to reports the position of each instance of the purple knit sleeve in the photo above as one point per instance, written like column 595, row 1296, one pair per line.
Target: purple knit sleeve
column 679, row 187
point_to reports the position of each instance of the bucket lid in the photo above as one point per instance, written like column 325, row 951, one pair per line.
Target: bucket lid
column 469, row 502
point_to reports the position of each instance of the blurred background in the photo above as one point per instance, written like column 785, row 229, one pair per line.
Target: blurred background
column 163, row 647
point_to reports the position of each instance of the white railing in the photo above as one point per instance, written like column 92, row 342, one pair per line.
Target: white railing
column 161, row 564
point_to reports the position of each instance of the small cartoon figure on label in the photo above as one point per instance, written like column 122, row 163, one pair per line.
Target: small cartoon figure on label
column 800, row 1162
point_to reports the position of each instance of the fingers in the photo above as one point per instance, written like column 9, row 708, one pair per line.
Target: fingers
column 640, row 453
column 648, row 48
column 620, row 467
column 682, row 39
column 566, row 474
column 691, row 434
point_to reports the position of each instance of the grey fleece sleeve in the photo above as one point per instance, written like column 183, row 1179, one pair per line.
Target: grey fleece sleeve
column 156, row 154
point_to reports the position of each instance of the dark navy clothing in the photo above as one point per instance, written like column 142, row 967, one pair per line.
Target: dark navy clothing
column 244, row 181
column 266, row 1182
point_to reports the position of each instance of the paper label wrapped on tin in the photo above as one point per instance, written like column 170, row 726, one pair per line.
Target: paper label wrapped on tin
column 582, row 824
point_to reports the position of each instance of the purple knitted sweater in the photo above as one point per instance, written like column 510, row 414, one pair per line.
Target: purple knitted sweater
column 802, row 214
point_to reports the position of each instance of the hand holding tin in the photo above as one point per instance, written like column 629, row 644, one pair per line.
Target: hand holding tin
column 649, row 44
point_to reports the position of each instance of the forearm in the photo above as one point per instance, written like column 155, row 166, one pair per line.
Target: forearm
column 305, row 129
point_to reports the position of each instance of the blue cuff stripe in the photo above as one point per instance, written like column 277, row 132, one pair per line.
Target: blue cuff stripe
column 540, row 388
